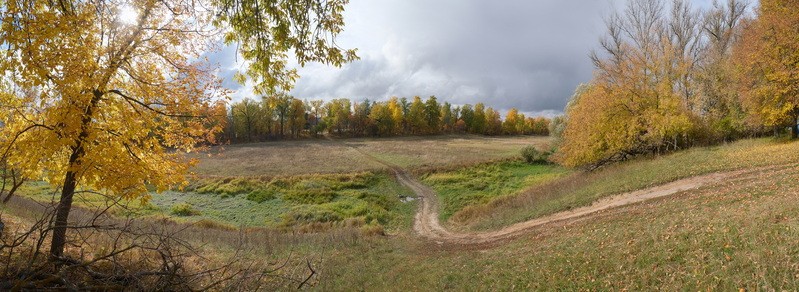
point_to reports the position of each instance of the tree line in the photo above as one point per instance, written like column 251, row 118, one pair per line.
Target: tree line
column 283, row 116
column 669, row 76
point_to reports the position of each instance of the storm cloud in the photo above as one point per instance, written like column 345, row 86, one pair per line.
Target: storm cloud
column 512, row 53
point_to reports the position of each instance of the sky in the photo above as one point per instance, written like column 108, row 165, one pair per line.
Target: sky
column 522, row 54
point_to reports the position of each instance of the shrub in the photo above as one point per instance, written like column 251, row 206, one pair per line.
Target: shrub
column 184, row 209
column 261, row 195
column 211, row 224
column 533, row 156
column 310, row 214
column 315, row 196
column 377, row 199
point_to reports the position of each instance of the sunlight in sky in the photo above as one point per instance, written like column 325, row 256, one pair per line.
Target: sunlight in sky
column 127, row 15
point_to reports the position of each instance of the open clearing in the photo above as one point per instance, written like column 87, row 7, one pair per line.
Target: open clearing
column 426, row 223
column 712, row 218
column 325, row 156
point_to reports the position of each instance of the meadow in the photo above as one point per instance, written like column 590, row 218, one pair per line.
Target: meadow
column 357, row 234
column 344, row 183
column 287, row 158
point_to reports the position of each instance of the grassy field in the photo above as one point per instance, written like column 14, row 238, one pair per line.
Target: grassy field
column 736, row 235
column 325, row 156
column 309, row 185
column 581, row 189
column 300, row 203
column 480, row 184
column 445, row 151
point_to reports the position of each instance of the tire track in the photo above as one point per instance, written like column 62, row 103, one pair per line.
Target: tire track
column 427, row 224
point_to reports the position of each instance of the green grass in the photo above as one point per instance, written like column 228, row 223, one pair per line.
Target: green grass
column 367, row 198
column 581, row 189
column 305, row 203
column 476, row 185
column 741, row 234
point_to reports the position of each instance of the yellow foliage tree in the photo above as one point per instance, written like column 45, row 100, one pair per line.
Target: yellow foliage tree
column 511, row 120
column 769, row 58
column 95, row 101
column 640, row 99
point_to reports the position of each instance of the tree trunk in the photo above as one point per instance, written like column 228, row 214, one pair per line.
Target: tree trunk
column 795, row 128
column 62, row 216
column 71, row 182
column 281, row 125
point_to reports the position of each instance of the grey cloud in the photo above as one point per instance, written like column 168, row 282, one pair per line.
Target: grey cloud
column 511, row 53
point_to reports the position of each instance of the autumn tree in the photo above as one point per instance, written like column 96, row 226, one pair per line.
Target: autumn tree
column 538, row 126
column 296, row 117
column 493, row 122
column 556, row 127
column 338, row 114
column 381, row 115
column 416, row 118
column 510, row 125
column 466, row 117
column 769, row 59
column 247, row 117
column 719, row 100
column 478, row 125
column 432, row 115
column 280, row 103
column 642, row 97
column 98, row 102
column 397, row 115
column 360, row 118
column 317, row 109
column 447, row 118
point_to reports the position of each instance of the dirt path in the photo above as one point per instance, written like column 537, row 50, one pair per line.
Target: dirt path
column 427, row 224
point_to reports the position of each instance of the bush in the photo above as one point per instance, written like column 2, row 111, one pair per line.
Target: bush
column 260, row 196
column 533, row 156
column 315, row 196
column 184, row 209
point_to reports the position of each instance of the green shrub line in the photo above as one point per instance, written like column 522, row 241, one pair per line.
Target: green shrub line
column 480, row 184
column 184, row 210
column 315, row 200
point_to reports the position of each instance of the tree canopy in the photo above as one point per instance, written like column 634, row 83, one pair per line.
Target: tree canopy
column 371, row 118
column 663, row 81
column 93, row 102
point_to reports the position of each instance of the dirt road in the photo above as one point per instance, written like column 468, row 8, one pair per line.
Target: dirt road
column 427, row 224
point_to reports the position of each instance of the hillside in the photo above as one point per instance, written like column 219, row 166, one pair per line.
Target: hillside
column 684, row 220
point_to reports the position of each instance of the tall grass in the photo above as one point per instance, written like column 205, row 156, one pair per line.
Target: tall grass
column 467, row 187
column 307, row 203
column 736, row 235
column 583, row 188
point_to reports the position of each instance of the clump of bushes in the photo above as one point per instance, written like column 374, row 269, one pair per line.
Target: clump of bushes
column 313, row 202
column 533, row 156
column 184, row 209
column 312, row 196
column 261, row 195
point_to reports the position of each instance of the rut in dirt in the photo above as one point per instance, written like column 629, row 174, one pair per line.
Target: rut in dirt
column 427, row 224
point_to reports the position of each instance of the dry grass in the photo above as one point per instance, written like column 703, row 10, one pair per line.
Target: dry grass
column 581, row 189
column 287, row 158
column 283, row 158
column 252, row 259
column 442, row 151
column 740, row 234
